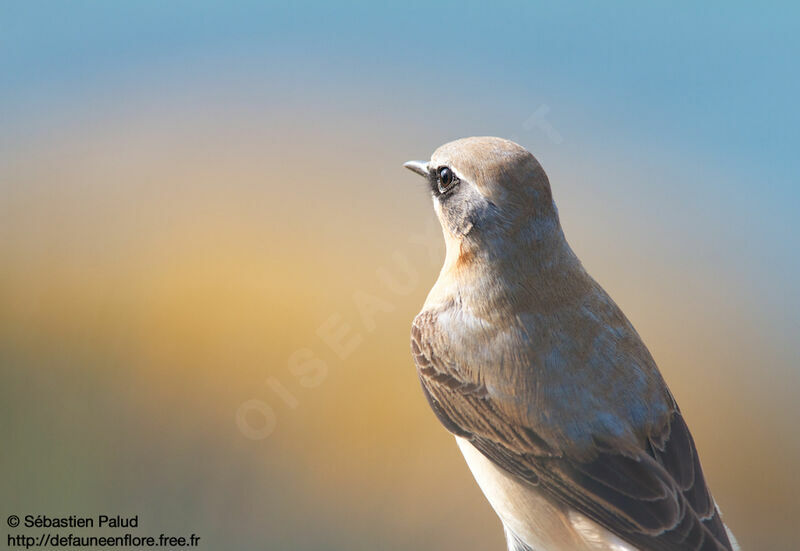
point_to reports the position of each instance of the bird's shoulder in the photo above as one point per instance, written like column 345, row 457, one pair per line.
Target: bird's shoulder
column 574, row 373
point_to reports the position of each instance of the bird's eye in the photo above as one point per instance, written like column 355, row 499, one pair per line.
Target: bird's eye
column 446, row 179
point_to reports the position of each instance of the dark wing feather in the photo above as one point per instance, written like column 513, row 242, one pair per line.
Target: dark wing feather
column 656, row 499
column 676, row 453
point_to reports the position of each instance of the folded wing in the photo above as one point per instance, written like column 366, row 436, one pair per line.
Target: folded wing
column 655, row 498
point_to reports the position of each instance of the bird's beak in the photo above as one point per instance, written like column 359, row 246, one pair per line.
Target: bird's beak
column 420, row 167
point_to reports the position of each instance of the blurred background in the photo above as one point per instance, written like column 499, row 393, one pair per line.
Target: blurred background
column 199, row 201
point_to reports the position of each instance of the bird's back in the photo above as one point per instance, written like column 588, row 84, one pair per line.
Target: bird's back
column 565, row 398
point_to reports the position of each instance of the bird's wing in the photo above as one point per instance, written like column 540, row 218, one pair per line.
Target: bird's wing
column 655, row 498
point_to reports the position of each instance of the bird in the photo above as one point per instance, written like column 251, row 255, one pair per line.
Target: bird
column 555, row 402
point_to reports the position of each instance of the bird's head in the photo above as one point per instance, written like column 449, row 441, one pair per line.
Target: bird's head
column 490, row 195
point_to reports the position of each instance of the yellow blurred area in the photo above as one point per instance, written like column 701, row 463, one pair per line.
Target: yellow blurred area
column 153, row 279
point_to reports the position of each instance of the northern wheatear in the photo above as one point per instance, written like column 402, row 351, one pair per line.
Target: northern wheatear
column 556, row 404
